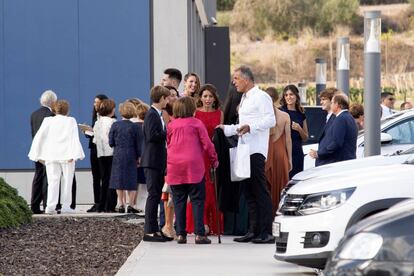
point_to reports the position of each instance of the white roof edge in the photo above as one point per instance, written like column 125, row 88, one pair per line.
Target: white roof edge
column 201, row 12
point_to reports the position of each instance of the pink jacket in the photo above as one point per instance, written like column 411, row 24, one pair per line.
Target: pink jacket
column 187, row 139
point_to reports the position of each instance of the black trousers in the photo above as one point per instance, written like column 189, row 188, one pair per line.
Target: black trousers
column 258, row 197
column 197, row 194
column 96, row 175
column 108, row 198
column 39, row 187
column 155, row 182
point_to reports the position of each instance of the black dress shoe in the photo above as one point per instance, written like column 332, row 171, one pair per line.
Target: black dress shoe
column 181, row 239
column 132, row 210
column 202, row 240
column 38, row 212
column 246, row 238
column 93, row 209
column 156, row 237
column 264, row 239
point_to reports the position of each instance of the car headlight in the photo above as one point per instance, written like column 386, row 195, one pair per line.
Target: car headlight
column 321, row 202
column 362, row 246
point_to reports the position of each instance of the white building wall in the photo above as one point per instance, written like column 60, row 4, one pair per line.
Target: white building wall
column 170, row 47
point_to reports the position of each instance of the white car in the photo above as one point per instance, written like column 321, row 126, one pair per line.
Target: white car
column 314, row 214
column 397, row 133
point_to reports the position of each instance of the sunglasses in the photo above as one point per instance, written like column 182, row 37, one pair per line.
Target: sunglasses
column 391, row 99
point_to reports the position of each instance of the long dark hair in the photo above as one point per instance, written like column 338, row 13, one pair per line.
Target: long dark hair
column 94, row 112
column 295, row 91
column 213, row 91
column 169, row 107
column 230, row 113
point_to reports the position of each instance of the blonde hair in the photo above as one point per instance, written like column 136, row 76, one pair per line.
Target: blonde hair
column 127, row 110
column 184, row 107
column 61, row 107
column 141, row 110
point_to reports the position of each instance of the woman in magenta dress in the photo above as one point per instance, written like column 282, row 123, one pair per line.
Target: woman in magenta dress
column 211, row 116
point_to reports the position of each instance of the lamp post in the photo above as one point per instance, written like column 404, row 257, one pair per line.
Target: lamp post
column 320, row 77
column 302, row 93
column 372, row 82
column 342, row 64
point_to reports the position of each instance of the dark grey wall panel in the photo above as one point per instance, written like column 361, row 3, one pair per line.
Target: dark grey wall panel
column 217, row 55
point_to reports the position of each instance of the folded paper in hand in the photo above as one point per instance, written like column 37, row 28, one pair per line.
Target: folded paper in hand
column 85, row 127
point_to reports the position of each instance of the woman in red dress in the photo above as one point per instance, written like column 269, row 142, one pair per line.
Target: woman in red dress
column 211, row 116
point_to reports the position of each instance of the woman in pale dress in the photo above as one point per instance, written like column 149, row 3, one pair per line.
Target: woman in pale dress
column 279, row 157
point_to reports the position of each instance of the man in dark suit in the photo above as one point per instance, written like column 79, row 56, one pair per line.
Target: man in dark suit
column 154, row 161
column 39, row 185
column 341, row 137
column 326, row 98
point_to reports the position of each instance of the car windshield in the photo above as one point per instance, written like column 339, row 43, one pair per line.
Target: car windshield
column 383, row 121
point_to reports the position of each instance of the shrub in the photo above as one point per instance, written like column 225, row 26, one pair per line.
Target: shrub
column 13, row 208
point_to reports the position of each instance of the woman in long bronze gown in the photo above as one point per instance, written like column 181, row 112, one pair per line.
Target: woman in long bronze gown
column 279, row 157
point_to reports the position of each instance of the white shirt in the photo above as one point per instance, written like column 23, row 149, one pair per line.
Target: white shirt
column 57, row 140
column 328, row 116
column 342, row 111
column 160, row 113
column 386, row 111
column 101, row 136
column 255, row 110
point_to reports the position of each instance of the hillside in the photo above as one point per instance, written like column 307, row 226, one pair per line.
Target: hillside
column 279, row 60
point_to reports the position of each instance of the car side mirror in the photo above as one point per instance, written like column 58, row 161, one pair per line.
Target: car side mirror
column 385, row 138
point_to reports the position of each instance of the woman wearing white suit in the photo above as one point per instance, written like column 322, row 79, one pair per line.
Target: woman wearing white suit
column 57, row 145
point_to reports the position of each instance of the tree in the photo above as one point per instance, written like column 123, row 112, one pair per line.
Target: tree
column 259, row 17
column 225, row 5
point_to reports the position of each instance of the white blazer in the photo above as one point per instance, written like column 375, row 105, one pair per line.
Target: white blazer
column 101, row 136
column 57, row 140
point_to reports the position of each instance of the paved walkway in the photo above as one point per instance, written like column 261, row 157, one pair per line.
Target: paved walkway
column 227, row 258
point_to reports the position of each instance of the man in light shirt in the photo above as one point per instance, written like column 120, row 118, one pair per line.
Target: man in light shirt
column 387, row 104
column 256, row 117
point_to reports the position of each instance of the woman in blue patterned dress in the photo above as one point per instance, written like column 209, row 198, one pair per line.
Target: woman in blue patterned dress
column 124, row 137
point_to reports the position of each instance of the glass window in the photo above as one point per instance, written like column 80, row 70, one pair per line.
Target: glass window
column 402, row 133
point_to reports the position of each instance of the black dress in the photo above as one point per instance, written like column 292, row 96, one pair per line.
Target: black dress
column 297, row 151
column 124, row 137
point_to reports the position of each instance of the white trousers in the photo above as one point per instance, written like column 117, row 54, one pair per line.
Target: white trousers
column 56, row 171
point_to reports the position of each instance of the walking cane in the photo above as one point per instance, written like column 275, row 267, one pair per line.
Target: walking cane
column 214, row 179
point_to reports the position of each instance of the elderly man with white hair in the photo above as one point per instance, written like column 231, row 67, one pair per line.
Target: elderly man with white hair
column 39, row 185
